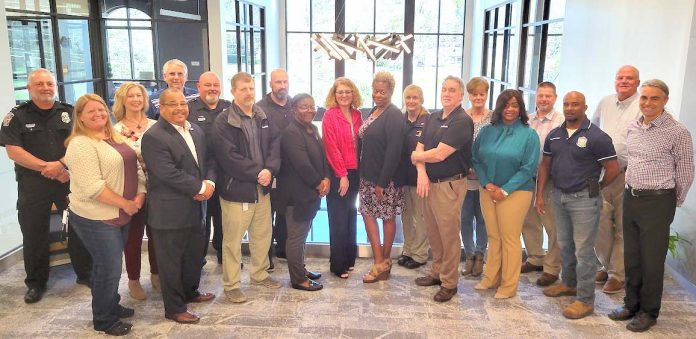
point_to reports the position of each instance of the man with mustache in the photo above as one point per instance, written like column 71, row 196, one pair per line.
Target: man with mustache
column 175, row 74
column 33, row 134
column 202, row 111
column 276, row 104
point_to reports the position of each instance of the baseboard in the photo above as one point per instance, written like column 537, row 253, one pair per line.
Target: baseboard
column 11, row 258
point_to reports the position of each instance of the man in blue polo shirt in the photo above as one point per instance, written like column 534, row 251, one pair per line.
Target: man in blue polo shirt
column 574, row 155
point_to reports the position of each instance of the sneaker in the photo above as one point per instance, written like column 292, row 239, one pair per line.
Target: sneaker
column 269, row 282
column 577, row 310
column 560, row 290
column 236, row 296
column 613, row 286
column 601, row 277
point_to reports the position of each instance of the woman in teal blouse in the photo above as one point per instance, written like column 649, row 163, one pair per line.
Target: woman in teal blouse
column 505, row 157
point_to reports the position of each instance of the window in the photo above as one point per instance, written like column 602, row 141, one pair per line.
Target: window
column 522, row 61
column 245, row 26
column 437, row 47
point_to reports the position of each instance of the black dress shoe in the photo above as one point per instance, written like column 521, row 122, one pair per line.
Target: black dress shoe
column 621, row 313
column 312, row 275
column 33, row 295
column 119, row 328
column 313, row 286
column 403, row 259
column 411, row 264
column 125, row 312
column 641, row 322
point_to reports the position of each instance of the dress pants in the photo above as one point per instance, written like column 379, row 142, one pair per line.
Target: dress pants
column 213, row 220
column 294, row 248
column 343, row 220
column 34, row 199
column 413, row 222
column 646, row 223
column 237, row 219
column 534, row 225
column 504, row 221
column 132, row 250
column 179, row 258
column 443, row 210
column 609, row 245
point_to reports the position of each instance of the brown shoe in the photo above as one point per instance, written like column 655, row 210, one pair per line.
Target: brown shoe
column 613, row 286
column 529, row 267
column 427, row 281
column 468, row 266
column 601, row 277
column 444, row 294
column 546, row 279
column 577, row 310
column 202, row 297
column 187, row 317
column 560, row 290
column 478, row 266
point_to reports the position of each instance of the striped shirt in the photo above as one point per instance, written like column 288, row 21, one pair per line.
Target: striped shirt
column 660, row 155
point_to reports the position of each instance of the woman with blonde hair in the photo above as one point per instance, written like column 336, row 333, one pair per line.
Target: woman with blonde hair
column 130, row 108
column 107, row 188
column 340, row 127
column 416, row 246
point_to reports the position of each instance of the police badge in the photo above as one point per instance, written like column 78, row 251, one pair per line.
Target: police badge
column 8, row 118
column 582, row 142
column 65, row 117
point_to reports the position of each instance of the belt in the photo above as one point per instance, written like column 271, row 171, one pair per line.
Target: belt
column 645, row 192
column 452, row 178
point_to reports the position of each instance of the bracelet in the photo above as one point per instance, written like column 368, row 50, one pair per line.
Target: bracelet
column 62, row 163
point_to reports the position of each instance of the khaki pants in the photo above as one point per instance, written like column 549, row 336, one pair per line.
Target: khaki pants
column 609, row 245
column 443, row 209
column 534, row 238
column 504, row 225
column 412, row 220
column 237, row 218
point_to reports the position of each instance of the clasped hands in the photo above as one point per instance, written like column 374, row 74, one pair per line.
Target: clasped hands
column 207, row 193
column 323, row 187
column 132, row 207
column 495, row 191
column 55, row 170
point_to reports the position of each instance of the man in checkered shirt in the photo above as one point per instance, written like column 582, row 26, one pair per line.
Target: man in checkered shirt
column 659, row 174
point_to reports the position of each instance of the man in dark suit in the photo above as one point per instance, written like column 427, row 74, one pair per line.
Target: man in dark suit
column 180, row 180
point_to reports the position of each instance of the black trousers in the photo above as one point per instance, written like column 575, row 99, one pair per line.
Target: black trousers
column 297, row 235
column 213, row 220
column 34, row 199
column 646, row 222
column 343, row 216
column 180, row 263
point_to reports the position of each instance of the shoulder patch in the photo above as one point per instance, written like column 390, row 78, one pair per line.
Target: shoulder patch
column 8, row 118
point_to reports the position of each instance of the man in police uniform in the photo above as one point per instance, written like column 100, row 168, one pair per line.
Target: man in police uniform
column 175, row 74
column 33, row 134
column 202, row 111
column 574, row 155
column 276, row 105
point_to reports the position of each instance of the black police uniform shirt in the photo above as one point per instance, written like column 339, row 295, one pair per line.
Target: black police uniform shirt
column 204, row 116
column 576, row 158
column 42, row 133
column 457, row 131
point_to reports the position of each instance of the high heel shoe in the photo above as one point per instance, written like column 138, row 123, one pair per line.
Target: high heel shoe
column 377, row 272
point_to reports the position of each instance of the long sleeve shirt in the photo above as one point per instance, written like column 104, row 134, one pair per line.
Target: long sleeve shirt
column 507, row 156
column 341, row 140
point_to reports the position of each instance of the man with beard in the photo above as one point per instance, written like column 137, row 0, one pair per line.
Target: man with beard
column 276, row 105
column 202, row 111
column 175, row 74
column 574, row 155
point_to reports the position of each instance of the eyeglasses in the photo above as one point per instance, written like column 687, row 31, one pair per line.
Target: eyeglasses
column 174, row 104
column 344, row 92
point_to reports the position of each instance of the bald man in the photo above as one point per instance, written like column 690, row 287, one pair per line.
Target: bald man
column 202, row 111
column 613, row 115
column 574, row 155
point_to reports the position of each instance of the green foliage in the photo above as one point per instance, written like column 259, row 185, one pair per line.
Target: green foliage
column 674, row 240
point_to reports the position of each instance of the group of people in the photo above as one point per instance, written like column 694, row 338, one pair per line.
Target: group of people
column 185, row 162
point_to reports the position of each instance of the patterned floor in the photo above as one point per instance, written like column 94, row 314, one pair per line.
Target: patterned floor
column 343, row 309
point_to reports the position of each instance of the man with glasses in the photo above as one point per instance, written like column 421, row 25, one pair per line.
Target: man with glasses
column 175, row 74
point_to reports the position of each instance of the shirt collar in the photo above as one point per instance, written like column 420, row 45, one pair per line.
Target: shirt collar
column 626, row 102
column 586, row 124
column 186, row 128
column 548, row 117
column 663, row 119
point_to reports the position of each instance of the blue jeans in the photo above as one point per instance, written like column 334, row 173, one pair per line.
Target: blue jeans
column 105, row 243
column 471, row 210
column 577, row 220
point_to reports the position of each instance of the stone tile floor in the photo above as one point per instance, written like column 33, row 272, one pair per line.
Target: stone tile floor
column 343, row 309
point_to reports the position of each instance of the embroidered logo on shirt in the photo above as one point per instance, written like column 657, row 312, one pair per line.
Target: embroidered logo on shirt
column 201, row 118
column 65, row 117
column 8, row 118
column 582, row 142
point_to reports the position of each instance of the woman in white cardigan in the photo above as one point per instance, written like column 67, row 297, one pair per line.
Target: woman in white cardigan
column 107, row 188
column 130, row 107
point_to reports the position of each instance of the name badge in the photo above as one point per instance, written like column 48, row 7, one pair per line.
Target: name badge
column 30, row 125
column 201, row 118
column 264, row 126
column 444, row 126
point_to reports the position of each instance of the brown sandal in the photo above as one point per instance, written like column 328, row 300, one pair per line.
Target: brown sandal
column 376, row 273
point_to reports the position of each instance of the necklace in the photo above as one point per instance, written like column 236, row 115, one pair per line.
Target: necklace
column 137, row 123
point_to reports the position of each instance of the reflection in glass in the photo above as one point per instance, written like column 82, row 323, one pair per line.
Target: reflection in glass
column 73, row 7
column 360, row 71
column 425, row 68
column 396, row 68
column 322, row 77
column 557, row 9
column 298, row 63
column 452, row 16
column 552, row 59
column 257, row 52
column 360, row 16
column 297, row 16
column 323, row 15
column 230, row 13
column 143, row 56
column 232, row 53
column 29, row 5
column 426, row 20
column 531, row 68
column 75, row 49
column 74, row 91
column 118, row 65
column 30, row 48
column 450, row 57
column 389, row 23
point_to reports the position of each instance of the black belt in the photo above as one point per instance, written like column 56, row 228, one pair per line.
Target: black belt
column 645, row 192
column 452, row 178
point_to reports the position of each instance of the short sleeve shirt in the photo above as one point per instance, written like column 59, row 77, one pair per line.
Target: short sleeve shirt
column 576, row 158
column 39, row 132
column 457, row 131
column 201, row 115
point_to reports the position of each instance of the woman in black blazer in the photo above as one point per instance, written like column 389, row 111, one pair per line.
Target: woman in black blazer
column 305, row 180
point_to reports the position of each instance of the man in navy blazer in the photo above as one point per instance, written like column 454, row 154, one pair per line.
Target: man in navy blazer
column 180, row 180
